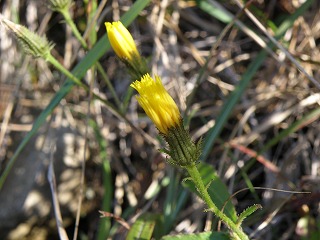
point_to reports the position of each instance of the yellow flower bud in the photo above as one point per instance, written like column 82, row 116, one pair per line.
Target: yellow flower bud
column 157, row 103
column 122, row 41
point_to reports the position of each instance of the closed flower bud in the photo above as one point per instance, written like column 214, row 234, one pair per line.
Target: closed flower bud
column 31, row 43
column 122, row 41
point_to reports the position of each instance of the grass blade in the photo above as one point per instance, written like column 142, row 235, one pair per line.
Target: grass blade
column 79, row 71
column 244, row 82
column 104, row 223
column 143, row 227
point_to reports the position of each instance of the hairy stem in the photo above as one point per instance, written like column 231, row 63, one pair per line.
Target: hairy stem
column 196, row 177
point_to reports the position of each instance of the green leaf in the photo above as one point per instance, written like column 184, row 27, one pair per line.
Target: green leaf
column 143, row 228
column 216, row 189
column 247, row 212
column 199, row 236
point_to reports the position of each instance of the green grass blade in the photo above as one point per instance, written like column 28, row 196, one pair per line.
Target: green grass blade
column 231, row 102
column 215, row 10
column 143, row 227
column 199, row 236
column 244, row 82
column 291, row 129
column 104, row 223
column 288, row 22
column 173, row 202
column 93, row 10
column 79, row 71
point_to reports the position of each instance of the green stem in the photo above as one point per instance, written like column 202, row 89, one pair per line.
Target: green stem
column 107, row 104
column 72, row 77
column 74, row 29
column 107, row 81
column 196, row 177
column 49, row 58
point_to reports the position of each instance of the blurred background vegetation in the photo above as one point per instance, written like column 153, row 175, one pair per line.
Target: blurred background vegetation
column 246, row 80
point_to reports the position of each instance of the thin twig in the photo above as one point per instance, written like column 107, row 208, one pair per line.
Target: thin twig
column 52, row 181
column 83, row 165
column 94, row 19
column 208, row 62
column 275, row 42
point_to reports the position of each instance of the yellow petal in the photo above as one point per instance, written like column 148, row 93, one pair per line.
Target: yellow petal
column 157, row 103
column 121, row 41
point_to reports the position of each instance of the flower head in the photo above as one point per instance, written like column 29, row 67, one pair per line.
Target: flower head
column 157, row 103
column 122, row 41
column 32, row 44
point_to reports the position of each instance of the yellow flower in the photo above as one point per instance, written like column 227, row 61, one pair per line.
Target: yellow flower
column 157, row 103
column 122, row 41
